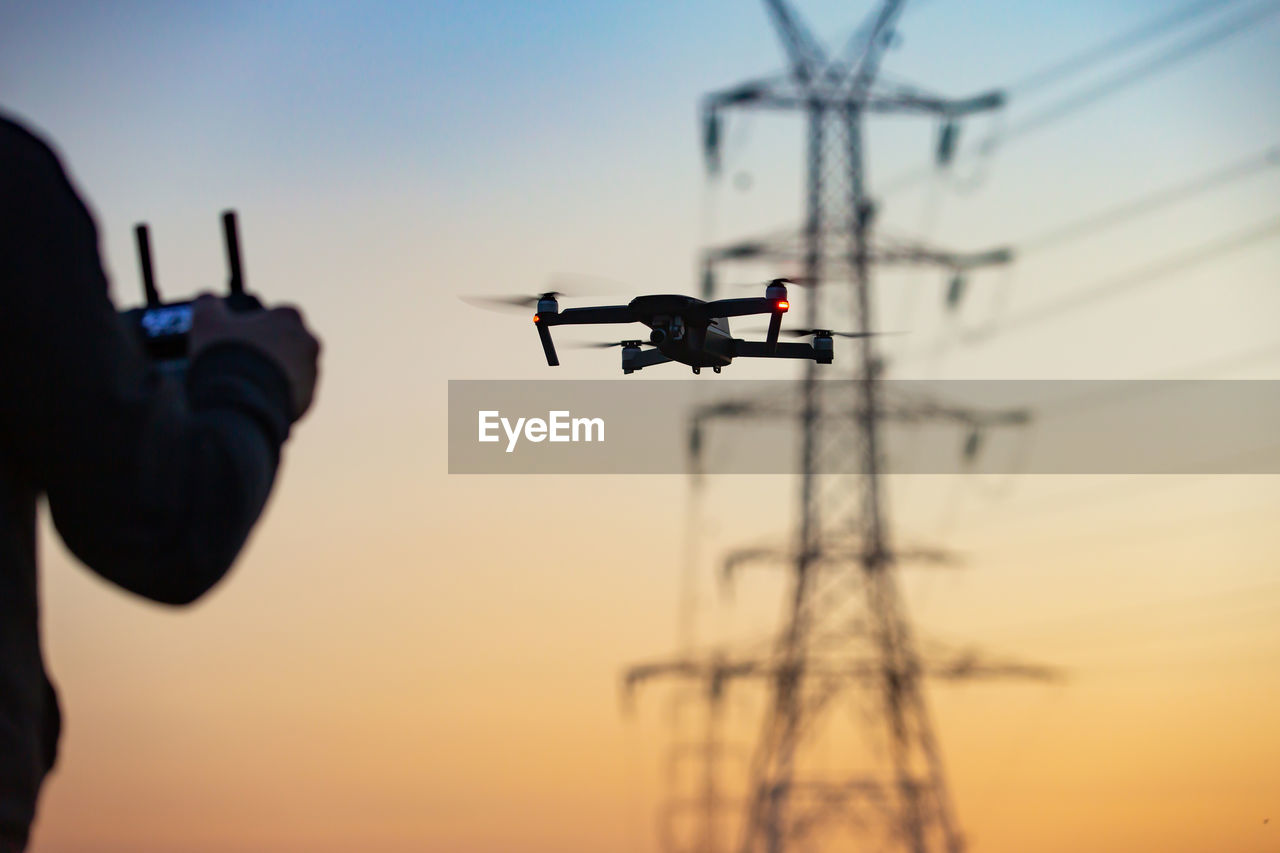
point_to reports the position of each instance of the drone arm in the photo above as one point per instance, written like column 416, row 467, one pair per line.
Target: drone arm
column 548, row 346
column 544, row 320
column 775, row 326
column 588, row 316
column 775, row 306
column 548, row 316
column 764, row 349
column 742, row 307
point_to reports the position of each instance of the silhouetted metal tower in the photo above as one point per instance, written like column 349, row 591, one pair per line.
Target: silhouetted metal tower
column 834, row 95
column 704, row 807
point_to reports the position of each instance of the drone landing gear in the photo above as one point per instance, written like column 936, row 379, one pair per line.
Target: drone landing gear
column 716, row 368
column 697, row 370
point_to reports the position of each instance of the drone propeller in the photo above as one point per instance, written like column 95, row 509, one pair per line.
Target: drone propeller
column 509, row 303
column 797, row 280
column 804, row 333
column 610, row 344
column 576, row 284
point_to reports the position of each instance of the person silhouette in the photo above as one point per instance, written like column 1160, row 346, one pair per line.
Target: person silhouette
column 153, row 482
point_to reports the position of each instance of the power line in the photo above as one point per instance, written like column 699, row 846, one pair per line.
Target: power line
column 1107, row 218
column 1116, row 44
column 1092, row 94
column 1127, row 77
column 1124, row 391
column 1252, row 165
column 1255, row 355
column 1157, row 533
column 1077, row 101
column 1150, row 275
column 1134, row 484
column 1107, row 396
column 1223, row 602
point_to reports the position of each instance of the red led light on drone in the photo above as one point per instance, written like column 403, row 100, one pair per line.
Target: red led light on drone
column 536, row 318
column 783, row 305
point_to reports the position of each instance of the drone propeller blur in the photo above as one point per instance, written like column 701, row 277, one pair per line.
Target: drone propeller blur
column 683, row 329
column 804, row 333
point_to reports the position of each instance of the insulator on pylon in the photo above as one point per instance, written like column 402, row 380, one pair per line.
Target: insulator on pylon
column 955, row 290
column 947, row 137
column 695, row 447
column 866, row 213
column 972, row 444
column 711, row 141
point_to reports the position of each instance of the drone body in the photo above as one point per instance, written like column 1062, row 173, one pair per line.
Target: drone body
column 686, row 330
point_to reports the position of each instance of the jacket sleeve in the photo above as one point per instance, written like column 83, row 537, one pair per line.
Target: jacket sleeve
column 153, row 485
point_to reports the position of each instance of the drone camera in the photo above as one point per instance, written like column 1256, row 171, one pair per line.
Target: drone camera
column 657, row 336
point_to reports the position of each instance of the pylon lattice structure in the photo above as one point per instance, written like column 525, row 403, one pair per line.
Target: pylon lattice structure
column 844, row 625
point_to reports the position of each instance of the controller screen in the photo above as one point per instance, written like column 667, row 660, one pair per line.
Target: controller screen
column 168, row 320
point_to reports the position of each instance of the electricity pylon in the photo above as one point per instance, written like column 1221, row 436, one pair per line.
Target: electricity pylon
column 705, row 806
column 836, row 245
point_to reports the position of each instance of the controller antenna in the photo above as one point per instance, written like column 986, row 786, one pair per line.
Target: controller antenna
column 236, row 282
column 144, row 261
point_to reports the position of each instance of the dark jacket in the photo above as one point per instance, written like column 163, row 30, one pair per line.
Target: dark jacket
column 153, row 485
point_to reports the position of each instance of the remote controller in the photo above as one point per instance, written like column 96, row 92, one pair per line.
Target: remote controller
column 164, row 329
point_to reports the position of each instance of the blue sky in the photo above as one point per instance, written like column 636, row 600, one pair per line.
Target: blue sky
column 563, row 131
column 460, row 110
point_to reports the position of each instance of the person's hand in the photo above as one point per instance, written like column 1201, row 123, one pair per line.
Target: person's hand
column 279, row 332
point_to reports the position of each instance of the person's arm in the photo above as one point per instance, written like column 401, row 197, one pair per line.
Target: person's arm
column 153, row 486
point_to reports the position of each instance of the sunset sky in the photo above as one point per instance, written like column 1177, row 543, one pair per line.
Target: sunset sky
column 405, row 660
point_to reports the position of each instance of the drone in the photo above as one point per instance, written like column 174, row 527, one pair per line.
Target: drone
column 685, row 329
